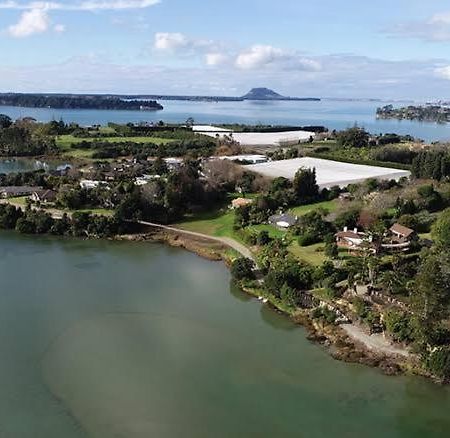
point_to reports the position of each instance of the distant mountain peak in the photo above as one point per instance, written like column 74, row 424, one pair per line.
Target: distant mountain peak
column 262, row 94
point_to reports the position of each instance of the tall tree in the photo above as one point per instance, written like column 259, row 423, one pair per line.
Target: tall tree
column 305, row 185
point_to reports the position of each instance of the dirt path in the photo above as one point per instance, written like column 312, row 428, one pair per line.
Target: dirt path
column 375, row 342
column 228, row 241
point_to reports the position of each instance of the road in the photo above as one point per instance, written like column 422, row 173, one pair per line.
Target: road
column 228, row 241
column 375, row 342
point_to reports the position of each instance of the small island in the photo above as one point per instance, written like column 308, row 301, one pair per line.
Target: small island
column 261, row 94
column 74, row 101
column 427, row 113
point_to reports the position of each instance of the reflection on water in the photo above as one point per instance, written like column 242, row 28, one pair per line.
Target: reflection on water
column 16, row 165
column 112, row 339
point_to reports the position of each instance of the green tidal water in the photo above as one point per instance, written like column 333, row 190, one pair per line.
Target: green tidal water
column 106, row 339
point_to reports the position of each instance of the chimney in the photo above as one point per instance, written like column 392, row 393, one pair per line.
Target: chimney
column 355, row 230
column 345, row 229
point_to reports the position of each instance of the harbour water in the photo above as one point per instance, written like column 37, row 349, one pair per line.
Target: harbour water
column 108, row 339
column 330, row 113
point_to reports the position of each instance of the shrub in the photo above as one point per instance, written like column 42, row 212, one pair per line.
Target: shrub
column 439, row 362
column 308, row 239
column 242, row 269
column 398, row 324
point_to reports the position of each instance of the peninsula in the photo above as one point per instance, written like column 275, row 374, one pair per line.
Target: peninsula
column 78, row 101
column 427, row 113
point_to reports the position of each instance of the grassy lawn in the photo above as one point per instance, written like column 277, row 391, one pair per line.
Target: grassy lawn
column 65, row 141
column 21, row 201
column 218, row 223
column 274, row 232
column 330, row 206
column 95, row 211
column 308, row 254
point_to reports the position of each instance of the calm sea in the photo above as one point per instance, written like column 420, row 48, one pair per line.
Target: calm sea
column 330, row 113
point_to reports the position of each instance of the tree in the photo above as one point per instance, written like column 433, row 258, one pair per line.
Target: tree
column 439, row 362
column 305, row 185
column 5, row 121
column 441, row 230
column 263, row 238
column 287, row 294
column 431, row 293
column 331, row 248
column 398, row 324
column 242, row 269
column 355, row 137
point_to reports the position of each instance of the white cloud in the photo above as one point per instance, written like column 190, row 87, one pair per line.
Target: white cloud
column 31, row 22
column 165, row 41
column 258, row 56
column 442, row 17
column 173, row 42
column 435, row 29
column 443, row 72
column 340, row 76
column 214, row 59
column 92, row 5
column 35, row 18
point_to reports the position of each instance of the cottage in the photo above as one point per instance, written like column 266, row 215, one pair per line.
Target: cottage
column 44, row 196
column 240, row 202
column 284, row 220
column 401, row 232
column 397, row 239
column 351, row 239
column 17, row 191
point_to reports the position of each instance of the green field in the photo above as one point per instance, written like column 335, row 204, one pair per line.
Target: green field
column 65, row 141
column 274, row 232
column 94, row 211
column 309, row 254
column 218, row 223
column 330, row 206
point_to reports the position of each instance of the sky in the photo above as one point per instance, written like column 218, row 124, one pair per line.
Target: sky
column 389, row 49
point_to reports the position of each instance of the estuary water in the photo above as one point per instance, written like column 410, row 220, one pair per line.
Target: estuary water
column 132, row 340
column 17, row 165
column 330, row 113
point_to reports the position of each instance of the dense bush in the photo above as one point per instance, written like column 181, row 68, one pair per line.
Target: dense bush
column 398, row 325
column 439, row 362
column 242, row 269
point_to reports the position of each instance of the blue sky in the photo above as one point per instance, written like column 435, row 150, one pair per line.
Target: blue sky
column 389, row 49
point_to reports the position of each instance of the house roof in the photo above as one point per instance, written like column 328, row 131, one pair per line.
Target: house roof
column 19, row 189
column 400, row 229
column 46, row 195
column 241, row 202
column 285, row 218
column 349, row 235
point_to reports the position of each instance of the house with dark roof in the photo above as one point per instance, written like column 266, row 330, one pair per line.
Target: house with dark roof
column 44, row 196
column 284, row 220
column 17, row 191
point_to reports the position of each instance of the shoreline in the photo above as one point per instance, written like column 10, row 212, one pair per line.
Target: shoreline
column 337, row 343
